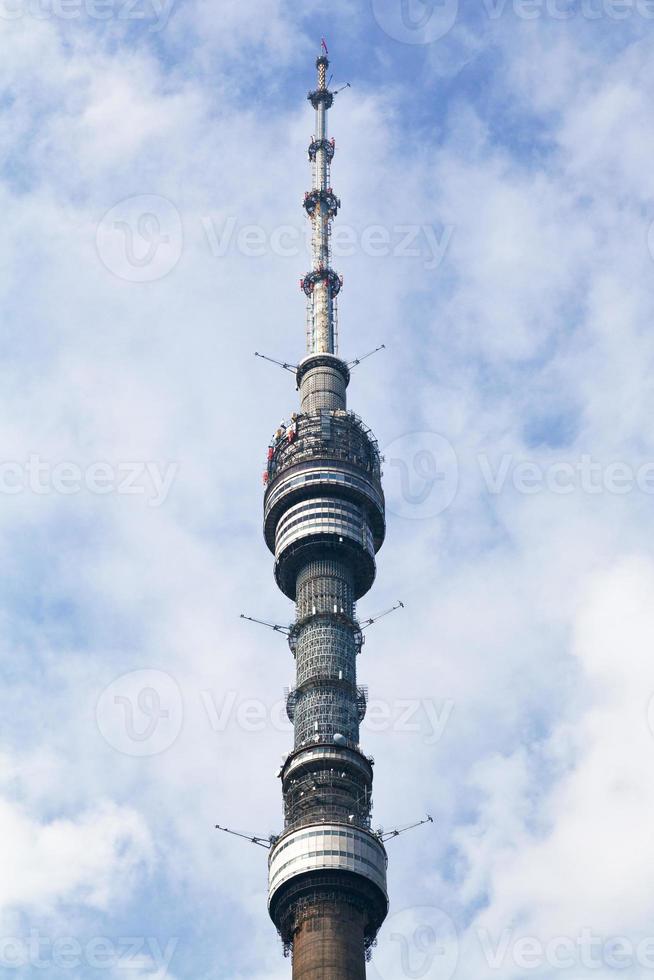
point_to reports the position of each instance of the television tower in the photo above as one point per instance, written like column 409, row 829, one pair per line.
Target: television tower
column 324, row 522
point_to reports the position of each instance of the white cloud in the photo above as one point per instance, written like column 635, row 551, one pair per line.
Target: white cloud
column 543, row 306
column 89, row 860
column 555, row 859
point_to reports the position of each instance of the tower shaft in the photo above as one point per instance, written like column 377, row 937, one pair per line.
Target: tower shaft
column 329, row 945
column 324, row 522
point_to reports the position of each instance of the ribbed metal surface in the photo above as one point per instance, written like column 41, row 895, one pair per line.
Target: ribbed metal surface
column 322, row 387
column 344, row 793
column 325, row 649
column 324, row 515
column 323, row 712
column 328, row 847
column 318, row 757
column 323, row 585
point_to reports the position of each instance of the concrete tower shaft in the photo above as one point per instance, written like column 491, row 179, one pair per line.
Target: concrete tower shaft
column 329, row 945
column 324, row 522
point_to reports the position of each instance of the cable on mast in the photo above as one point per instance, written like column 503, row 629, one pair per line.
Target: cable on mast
column 369, row 622
column 357, row 360
column 266, row 842
column 385, row 835
column 282, row 364
column 273, row 626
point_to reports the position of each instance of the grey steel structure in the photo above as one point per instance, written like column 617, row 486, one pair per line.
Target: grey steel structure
column 324, row 522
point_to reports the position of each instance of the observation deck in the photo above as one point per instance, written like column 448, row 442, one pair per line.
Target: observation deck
column 347, row 861
column 324, row 493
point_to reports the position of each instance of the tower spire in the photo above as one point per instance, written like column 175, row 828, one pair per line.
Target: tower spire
column 321, row 285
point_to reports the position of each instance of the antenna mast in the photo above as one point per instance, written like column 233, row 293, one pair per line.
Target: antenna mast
column 321, row 285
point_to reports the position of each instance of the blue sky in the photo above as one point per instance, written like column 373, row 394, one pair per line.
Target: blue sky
column 494, row 166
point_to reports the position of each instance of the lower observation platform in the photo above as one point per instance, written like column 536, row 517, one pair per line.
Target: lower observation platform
column 327, row 847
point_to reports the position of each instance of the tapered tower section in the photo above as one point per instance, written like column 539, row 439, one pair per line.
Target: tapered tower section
column 324, row 522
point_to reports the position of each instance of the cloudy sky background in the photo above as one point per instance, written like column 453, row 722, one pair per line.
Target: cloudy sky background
column 511, row 696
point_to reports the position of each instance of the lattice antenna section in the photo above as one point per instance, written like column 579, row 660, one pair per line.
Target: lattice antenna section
column 321, row 204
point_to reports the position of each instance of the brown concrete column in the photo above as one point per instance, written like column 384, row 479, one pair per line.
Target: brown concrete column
column 329, row 946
